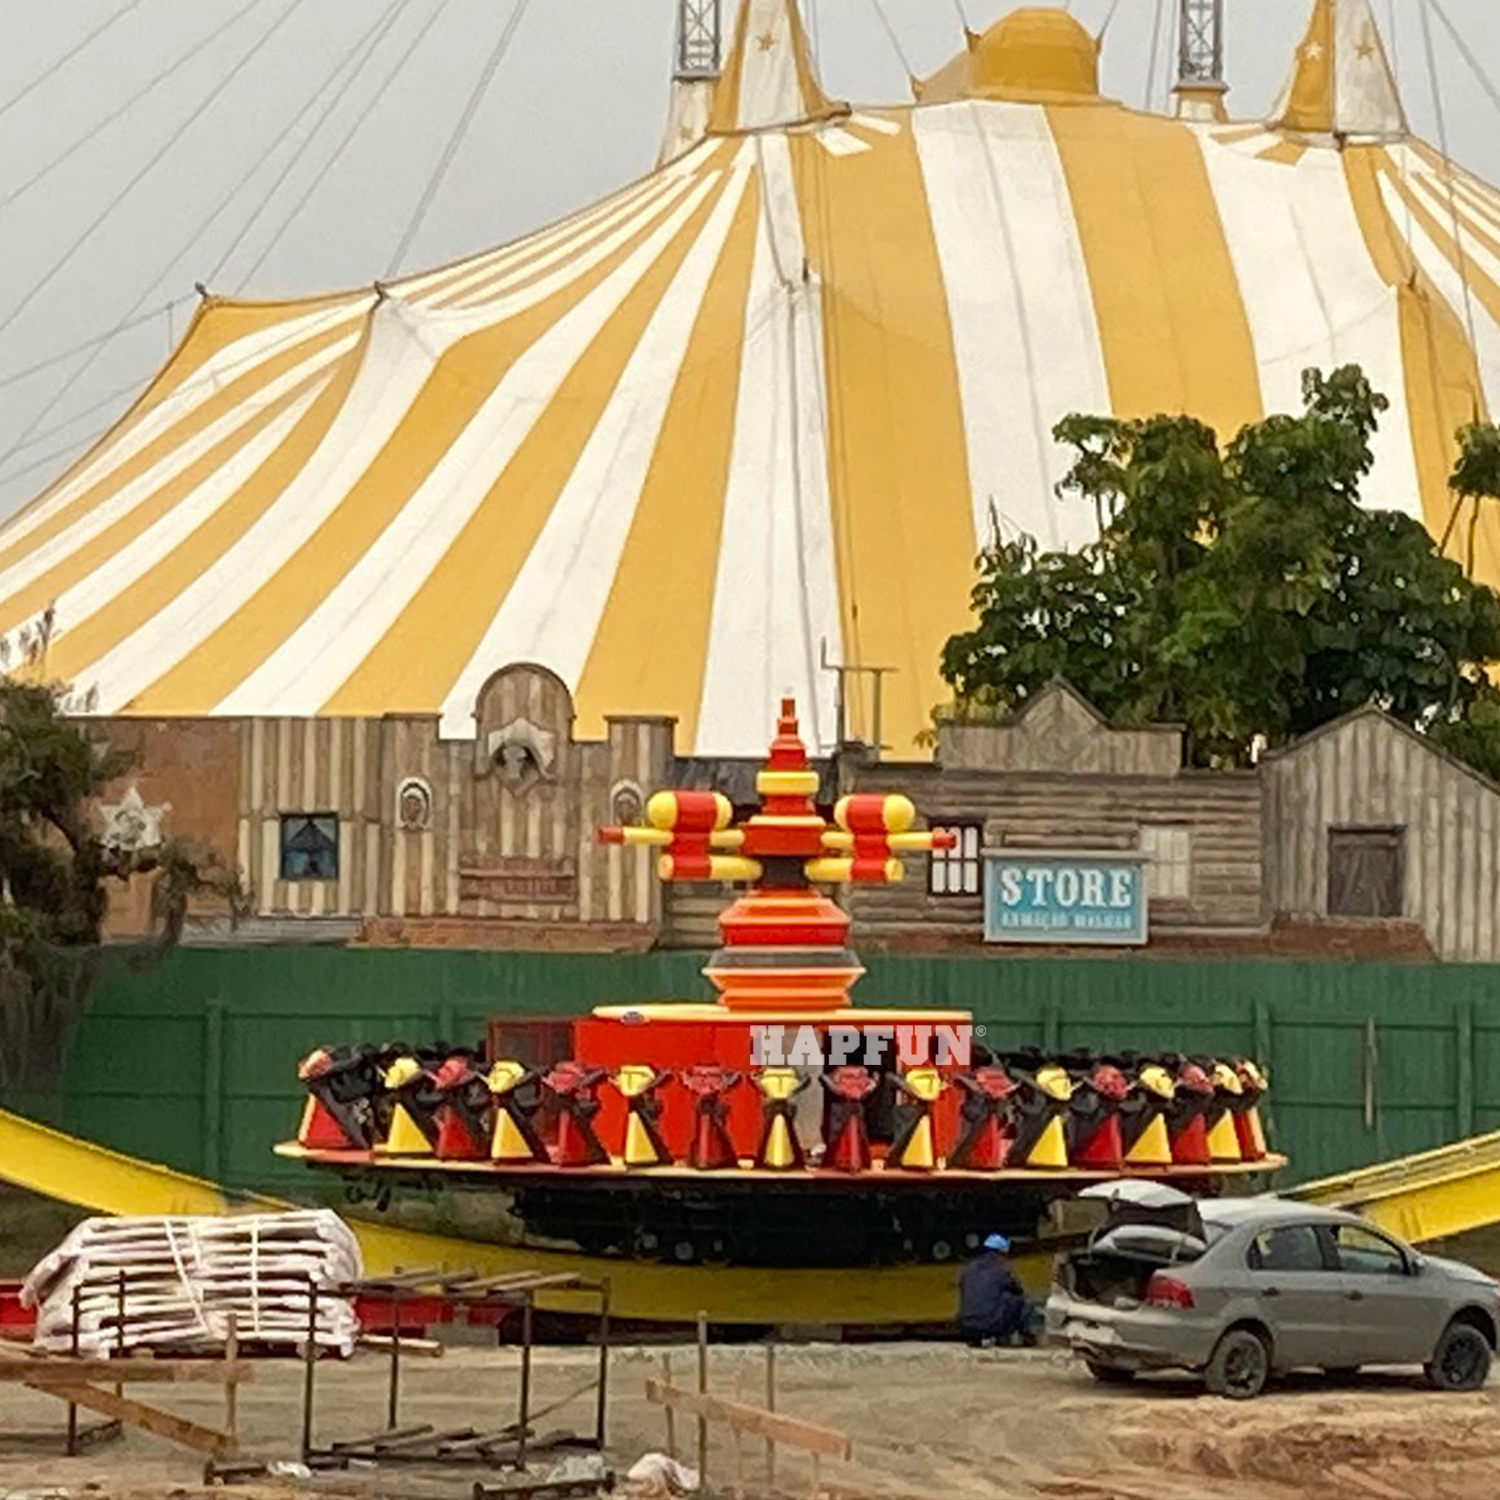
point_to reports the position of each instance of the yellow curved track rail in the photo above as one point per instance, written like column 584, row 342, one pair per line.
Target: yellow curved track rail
column 1430, row 1196
column 103, row 1181
column 1425, row 1197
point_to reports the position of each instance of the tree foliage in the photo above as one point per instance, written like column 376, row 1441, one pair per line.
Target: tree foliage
column 54, row 864
column 1243, row 593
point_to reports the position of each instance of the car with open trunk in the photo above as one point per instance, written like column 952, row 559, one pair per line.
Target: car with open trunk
column 1239, row 1289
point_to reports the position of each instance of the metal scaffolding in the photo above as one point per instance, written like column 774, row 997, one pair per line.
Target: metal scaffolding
column 1200, row 50
column 700, row 38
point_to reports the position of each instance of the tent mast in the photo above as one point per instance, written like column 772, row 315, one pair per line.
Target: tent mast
column 698, row 61
column 700, row 39
column 1200, row 85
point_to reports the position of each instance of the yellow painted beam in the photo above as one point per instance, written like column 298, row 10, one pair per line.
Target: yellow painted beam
column 1430, row 1196
column 73, row 1171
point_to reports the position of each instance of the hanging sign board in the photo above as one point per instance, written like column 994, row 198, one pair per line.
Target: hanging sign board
column 1032, row 896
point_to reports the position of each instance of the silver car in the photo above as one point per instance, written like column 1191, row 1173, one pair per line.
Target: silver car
column 1238, row 1288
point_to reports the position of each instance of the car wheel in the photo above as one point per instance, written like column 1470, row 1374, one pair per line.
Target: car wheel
column 1109, row 1374
column 1240, row 1366
column 1461, row 1361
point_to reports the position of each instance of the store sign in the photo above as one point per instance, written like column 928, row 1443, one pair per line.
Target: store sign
column 1034, row 897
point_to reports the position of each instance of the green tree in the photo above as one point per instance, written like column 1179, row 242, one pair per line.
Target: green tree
column 54, row 864
column 1243, row 593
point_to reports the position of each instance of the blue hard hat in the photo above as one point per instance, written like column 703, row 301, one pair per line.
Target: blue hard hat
column 997, row 1242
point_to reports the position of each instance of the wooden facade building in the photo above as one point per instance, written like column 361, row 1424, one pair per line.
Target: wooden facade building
column 1361, row 839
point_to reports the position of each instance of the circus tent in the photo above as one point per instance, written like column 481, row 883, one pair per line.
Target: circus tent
column 754, row 413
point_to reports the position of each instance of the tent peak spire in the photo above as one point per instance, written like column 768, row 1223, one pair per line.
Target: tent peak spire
column 1342, row 83
column 1037, row 54
column 769, row 78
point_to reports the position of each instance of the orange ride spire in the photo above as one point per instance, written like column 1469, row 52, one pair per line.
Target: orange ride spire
column 784, row 943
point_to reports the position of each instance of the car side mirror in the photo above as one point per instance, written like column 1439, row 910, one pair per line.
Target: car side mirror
column 1415, row 1264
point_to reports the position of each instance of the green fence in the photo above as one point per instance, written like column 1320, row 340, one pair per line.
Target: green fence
column 191, row 1060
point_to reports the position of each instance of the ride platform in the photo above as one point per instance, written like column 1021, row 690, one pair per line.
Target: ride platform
column 617, row 1174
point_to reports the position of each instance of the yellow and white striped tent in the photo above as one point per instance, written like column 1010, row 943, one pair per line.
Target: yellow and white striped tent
column 755, row 411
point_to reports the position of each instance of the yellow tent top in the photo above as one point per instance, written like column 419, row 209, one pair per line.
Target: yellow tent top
column 754, row 412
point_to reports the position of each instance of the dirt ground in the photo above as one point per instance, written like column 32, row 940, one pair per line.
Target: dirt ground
column 928, row 1422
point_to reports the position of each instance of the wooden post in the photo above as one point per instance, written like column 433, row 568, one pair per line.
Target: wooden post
column 666, row 1379
column 120, row 1323
column 770, row 1406
column 601, row 1406
column 393, row 1396
column 703, row 1391
column 231, row 1383
column 525, row 1413
column 73, row 1406
column 310, row 1367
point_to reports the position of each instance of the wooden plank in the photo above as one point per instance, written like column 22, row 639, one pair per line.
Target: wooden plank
column 148, row 1418
column 429, row 1439
column 68, row 1371
column 516, row 1281
column 427, row 1348
column 396, row 1434
column 741, row 1417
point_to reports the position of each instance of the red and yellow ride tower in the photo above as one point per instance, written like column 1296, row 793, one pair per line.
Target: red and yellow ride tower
column 784, row 956
column 785, row 945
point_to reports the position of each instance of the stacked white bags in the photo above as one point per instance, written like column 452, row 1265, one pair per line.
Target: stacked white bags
column 184, row 1276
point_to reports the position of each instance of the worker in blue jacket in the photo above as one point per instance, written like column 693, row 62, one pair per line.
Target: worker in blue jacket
column 992, row 1306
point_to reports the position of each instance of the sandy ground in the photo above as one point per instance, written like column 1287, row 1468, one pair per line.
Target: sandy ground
column 928, row 1422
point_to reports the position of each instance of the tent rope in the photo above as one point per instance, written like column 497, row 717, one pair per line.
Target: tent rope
column 1467, row 53
column 894, row 40
column 145, row 90
column 214, row 95
column 1156, row 30
column 14, row 377
column 364, row 49
column 460, row 130
column 30, row 435
column 59, row 63
column 1442, row 125
column 381, row 92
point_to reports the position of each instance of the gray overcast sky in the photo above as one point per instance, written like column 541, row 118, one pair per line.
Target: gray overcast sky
column 575, row 109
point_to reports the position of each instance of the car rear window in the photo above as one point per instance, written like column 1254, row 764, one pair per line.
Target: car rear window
column 1214, row 1230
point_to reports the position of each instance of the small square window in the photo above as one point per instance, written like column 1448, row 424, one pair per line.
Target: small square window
column 309, row 846
column 1366, row 872
column 956, row 871
column 1169, row 856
